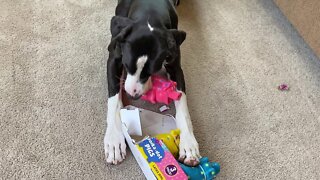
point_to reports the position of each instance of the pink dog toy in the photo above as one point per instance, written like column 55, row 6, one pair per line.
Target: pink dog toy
column 162, row 91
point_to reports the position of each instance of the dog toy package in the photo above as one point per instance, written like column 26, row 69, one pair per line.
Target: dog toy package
column 162, row 91
column 160, row 159
column 154, row 158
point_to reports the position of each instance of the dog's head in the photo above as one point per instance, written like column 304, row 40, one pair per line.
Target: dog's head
column 144, row 50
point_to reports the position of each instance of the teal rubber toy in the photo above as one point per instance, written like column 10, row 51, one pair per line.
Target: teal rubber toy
column 205, row 170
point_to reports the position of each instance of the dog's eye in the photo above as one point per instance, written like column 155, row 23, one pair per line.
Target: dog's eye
column 169, row 57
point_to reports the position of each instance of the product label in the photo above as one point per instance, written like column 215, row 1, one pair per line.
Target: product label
column 171, row 170
column 153, row 150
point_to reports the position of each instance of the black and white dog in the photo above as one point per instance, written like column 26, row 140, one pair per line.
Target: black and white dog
column 144, row 40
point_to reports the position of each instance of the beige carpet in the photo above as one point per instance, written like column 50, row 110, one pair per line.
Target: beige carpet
column 53, row 90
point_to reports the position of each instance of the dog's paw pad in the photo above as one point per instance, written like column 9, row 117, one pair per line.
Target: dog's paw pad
column 191, row 161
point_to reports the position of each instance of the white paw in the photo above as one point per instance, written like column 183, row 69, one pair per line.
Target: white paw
column 189, row 150
column 114, row 146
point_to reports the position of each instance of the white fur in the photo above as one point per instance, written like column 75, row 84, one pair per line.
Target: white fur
column 150, row 27
column 189, row 149
column 114, row 143
column 132, row 84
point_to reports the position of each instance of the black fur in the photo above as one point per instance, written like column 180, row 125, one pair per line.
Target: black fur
column 131, row 38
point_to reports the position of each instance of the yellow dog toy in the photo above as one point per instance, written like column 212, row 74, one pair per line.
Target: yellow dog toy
column 171, row 140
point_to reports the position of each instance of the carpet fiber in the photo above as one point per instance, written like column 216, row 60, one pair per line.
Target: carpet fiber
column 53, row 90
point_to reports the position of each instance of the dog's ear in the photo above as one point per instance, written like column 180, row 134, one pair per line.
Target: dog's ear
column 119, row 24
column 120, row 28
column 179, row 36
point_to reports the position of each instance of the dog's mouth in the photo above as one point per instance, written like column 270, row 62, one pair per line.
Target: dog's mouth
column 136, row 97
column 137, row 90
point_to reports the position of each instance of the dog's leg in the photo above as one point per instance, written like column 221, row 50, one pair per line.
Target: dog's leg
column 114, row 143
column 189, row 149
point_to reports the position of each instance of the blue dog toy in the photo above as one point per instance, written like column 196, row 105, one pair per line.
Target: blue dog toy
column 205, row 170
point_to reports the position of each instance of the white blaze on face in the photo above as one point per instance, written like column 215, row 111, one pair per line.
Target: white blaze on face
column 150, row 27
column 133, row 86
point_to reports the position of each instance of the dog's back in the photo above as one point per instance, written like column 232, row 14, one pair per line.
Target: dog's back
column 157, row 12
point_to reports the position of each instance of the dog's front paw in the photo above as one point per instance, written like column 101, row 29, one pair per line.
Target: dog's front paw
column 114, row 146
column 189, row 150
